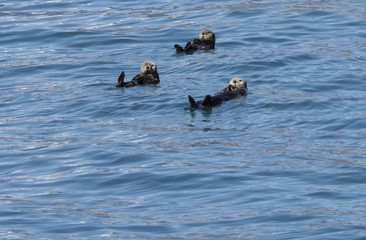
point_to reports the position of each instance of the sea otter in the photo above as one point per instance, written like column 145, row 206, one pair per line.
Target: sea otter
column 205, row 41
column 237, row 87
column 148, row 75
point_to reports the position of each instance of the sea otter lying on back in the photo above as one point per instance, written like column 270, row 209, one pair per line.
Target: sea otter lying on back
column 237, row 87
column 205, row 41
column 148, row 75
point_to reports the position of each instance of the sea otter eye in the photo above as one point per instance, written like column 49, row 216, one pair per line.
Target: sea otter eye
column 234, row 81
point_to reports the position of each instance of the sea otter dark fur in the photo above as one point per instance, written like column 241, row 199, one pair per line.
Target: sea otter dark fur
column 148, row 75
column 205, row 41
column 237, row 87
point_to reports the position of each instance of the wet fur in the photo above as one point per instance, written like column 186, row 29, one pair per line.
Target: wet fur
column 148, row 75
column 206, row 41
column 228, row 93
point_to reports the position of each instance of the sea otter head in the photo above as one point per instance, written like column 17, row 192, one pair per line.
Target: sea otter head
column 237, row 83
column 148, row 67
column 207, row 35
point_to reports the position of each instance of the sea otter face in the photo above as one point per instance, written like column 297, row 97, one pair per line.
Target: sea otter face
column 207, row 35
column 238, row 83
column 148, row 67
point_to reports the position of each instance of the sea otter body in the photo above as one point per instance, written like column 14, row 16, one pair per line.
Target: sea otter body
column 205, row 41
column 237, row 87
column 148, row 75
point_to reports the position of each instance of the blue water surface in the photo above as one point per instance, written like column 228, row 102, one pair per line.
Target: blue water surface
column 81, row 159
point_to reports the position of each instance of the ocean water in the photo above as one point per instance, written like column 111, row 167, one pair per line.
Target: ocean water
column 81, row 159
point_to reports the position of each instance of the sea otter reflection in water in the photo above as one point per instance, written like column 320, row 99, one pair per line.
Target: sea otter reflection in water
column 237, row 87
column 148, row 75
column 205, row 41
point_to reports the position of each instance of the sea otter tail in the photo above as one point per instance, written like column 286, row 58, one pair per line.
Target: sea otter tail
column 121, row 79
column 192, row 102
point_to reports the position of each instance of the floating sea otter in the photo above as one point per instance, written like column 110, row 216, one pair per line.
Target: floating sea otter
column 148, row 75
column 237, row 87
column 205, row 41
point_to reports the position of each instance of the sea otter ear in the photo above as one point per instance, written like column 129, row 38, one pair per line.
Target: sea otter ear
column 121, row 79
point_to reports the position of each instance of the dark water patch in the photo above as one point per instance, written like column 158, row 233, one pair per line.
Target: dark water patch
column 130, row 159
column 328, row 195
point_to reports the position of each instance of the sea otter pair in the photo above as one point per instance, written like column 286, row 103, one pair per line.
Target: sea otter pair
column 206, row 41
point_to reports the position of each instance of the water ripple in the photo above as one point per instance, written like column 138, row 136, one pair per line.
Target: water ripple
column 287, row 161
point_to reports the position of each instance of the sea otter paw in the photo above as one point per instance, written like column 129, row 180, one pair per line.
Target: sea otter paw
column 189, row 48
column 192, row 102
column 178, row 48
column 121, row 79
